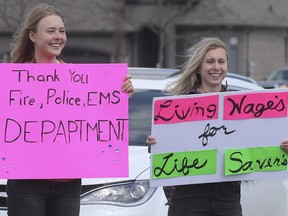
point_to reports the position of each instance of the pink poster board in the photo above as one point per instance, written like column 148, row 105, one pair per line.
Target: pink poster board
column 63, row 121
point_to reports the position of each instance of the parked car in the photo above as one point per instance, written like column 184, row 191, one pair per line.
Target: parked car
column 277, row 79
column 133, row 195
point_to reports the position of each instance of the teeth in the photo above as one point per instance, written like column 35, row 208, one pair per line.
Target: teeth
column 215, row 75
column 56, row 45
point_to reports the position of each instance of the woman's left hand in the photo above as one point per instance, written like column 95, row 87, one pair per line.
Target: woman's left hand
column 128, row 86
column 284, row 145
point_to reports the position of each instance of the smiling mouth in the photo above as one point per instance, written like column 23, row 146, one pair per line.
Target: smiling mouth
column 55, row 45
column 215, row 74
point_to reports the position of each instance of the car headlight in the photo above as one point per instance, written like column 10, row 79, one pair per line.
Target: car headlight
column 122, row 194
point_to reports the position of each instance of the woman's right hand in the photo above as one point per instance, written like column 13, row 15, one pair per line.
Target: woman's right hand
column 150, row 141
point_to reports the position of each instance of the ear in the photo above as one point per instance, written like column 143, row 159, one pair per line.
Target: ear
column 32, row 36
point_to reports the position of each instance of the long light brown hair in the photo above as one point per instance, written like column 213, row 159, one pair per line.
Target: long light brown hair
column 23, row 50
column 190, row 78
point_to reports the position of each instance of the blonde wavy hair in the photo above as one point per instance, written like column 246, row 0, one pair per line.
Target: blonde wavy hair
column 190, row 78
column 23, row 47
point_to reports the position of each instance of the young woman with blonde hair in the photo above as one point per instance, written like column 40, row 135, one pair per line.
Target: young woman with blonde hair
column 204, row 71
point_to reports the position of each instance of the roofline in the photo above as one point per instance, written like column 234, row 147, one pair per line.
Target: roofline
column 231, row 25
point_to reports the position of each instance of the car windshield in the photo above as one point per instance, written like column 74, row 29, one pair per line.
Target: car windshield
column 279, row 75
column 140, row 114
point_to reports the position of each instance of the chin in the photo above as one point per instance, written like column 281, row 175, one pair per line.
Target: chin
column 56, row 53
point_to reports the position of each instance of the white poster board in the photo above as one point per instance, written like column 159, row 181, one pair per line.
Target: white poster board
column 219, row 122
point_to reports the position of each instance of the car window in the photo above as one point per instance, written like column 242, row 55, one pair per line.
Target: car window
column 285, row 75
column 279, row 75
column 140, row 114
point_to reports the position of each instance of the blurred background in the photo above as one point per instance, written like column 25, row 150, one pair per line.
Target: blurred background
column 156, row 33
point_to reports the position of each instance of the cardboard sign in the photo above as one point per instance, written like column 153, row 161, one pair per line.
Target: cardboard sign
column 63, row 121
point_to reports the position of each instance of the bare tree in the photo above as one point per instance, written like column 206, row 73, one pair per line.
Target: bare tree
column 118, row 11
column 179, row 8
column 12, row 12
column 115, row 12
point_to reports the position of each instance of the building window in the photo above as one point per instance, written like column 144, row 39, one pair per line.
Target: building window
column 233, row 55
column 286, row 49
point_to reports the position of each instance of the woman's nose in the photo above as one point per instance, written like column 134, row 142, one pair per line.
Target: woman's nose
column 57, row 34
column 216, row 65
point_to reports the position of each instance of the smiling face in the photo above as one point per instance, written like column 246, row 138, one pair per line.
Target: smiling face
column 49, row 39
column 213, row 70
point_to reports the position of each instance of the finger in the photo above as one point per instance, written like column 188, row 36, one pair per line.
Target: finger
column 151, row 141
column 127, row 77
column 128, row 88
column 284, row 147
column 127, row 84
column 150, row 137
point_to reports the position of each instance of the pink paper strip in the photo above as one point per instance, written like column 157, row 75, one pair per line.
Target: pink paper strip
column 258, row 105
column 186, row 109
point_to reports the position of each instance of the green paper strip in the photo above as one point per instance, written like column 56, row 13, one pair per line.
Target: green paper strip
column 179, row 164
column 258, row 159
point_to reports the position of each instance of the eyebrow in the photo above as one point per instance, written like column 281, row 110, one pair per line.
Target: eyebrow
column 51, row 27
column 216, row 59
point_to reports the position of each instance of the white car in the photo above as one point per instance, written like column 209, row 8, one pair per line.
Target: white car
column 133, row 195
